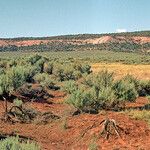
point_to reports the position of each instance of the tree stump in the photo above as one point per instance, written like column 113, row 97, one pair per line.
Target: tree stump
column 108, row 126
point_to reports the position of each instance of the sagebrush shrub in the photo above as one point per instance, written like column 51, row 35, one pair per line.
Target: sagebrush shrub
column 33, row 59
column 44, row 80
column 40, row 64
column 30, row 72
column 106, row 97
column 17, row 102
column 58, row 72
column 83, row 68
column 144, row 88
column 132, row 80
column 100, row 80
column 13, row 143
column 12, row 80
column 125, row 90
column 70, row 86
column 102, row 92
column 80, row 99
column 48, row 67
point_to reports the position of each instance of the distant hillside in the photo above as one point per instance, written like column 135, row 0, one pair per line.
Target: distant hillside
column 130, row 41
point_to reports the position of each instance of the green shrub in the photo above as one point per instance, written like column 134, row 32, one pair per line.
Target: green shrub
column 48, row 67
column 70, row 86
column 80, row 99
column 17, row 76
column 33, row 59
column 17, row 102
column 44, row 80
column 12, row 80
column 93, row 146
column 6, row 86
column 106, row 98
column 68, row 72
column 1, row 71
column 102, row 92
column 30, row 72
column 83, row 68
column 58, row 72
column 86, row 69
column 77, row 75
column 13, row 143
column 125, row 90
column 100, row 80
column 133, row 80
column 40, row 64
column 139, row 115
column 144, row 88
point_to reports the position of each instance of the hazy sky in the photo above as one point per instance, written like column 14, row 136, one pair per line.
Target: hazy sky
column 20, row 18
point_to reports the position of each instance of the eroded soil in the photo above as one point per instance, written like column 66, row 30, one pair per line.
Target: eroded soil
column 79, row 133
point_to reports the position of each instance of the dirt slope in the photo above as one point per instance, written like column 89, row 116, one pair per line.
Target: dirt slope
column 103, row 39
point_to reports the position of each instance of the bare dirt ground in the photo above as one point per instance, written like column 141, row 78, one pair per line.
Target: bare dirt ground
column 79, row 132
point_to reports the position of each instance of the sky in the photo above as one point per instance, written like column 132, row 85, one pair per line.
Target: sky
column 37, row 18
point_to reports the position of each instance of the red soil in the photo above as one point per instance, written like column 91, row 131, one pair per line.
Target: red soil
column 52, row 136
column 103, row 39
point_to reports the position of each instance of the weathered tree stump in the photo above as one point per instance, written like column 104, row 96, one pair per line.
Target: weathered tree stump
column 108, row 126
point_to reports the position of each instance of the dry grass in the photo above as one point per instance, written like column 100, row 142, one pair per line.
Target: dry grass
column 120, row 70
column 139, row 115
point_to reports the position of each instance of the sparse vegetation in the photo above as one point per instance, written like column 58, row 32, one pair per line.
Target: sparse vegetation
column 139, row 115
column 44, row 79
column 78, row 42
column 13, row 143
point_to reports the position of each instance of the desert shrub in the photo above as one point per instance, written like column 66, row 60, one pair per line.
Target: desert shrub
column 30, row 72
column 2, row 71
column 17, row 102
column 100, row 80
column 14, row 78
column 139, row 115
column 12, row 63
column 70, row 86
column 58, row 72
column 102, row 92
column 98, row 93
column 70, row 71
column 37, row 93
column 13, row 143
column 144, row 88
column 5, row 85
column 33, row 59
column 40, row 77
column 48, row 67
column 86, row 69
column 125, row 90
column 133, row 80
column 17, row 76
column 106, row 98
column 3, row 64
column 64, row 72
column 44, row 80
column 77, row 74
column 80, row 99
column 93, row 145
column 40, row 64
column 83, row 68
